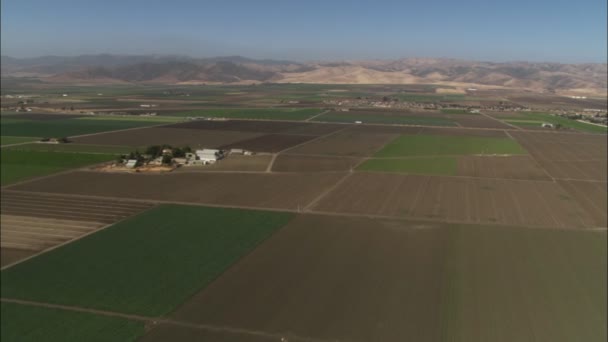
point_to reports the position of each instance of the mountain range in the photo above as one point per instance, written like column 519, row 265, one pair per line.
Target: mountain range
column 111, row 69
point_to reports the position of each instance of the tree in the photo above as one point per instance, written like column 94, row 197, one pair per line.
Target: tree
column 64, row 140
column 119, row 159
column 167, row 160
column 154, row 151
column 178, row 152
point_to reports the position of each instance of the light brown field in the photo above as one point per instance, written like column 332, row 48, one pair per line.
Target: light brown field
column 30, row 223
column 515, row 167
column 457, row 199
column 593, row 197
column 307, row 163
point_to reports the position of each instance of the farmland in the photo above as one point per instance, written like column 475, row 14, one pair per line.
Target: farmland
column 536, row 119
column 424, row 222
column 28, row 323
column 419, row 145
column 193, row 255
column 385, row 119
column 21, row 165
column 7, row 140
column 65, row 127
column 254, row 113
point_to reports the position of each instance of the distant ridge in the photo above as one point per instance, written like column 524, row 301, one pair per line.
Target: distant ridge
column 110, row 69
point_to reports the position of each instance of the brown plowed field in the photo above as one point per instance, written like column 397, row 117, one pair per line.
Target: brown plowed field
column 303, row 163
column 516, row 167
column 161, row 135
column 346, row 143
column 232, row 163
column 45, row 117
column 264, row 190
column 68, row 208
column 477, row 121
column 10, row 255
column 240, row 125
column 33, row 222
column 269, row 143
column 568, row 156
column 511, row 202
column 593, row 196
column 346, row 279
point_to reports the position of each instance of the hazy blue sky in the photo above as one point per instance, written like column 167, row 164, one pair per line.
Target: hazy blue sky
column 541, row 30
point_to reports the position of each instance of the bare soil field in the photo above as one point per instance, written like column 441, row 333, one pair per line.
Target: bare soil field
column 346, row 143
column 332, row 278
column 592, row 196
column 10, row 255
column 44, row 117
column 515, row 167
column 568, row 156
column 271, row 143
column 306, row 163
column 262, row 190
column 68, row 208
column 232, row 163
column 456, row 199
column 478, row 121
column 161, row 135
column 240, row 125
column 34, row 222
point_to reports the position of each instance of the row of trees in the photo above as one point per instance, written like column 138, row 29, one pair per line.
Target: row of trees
column 155, row 151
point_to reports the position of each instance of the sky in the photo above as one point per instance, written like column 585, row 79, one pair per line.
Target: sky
column 512, row 30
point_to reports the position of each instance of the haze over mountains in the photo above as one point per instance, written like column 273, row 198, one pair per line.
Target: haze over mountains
column 110, row 69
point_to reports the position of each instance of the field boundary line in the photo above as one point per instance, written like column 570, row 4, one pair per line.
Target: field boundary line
column 160, row 320
column 502, row 122
column 316, row 115
column 18, row 144
column 312, row 212
column 326, row 192
column 122, row 130
column 274, row 157
column 69, row 170
column 93, row 231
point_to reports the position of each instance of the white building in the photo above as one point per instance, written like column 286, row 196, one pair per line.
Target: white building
column 209, row 156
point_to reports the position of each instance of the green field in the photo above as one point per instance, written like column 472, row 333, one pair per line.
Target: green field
column 30, row 323
column 519, row 284
column 144, row 265
column 58, row 128
column 435, row 145
column 254, row 113
column 385, row 119
column 432, row 166
column 20, row 165
column 7, row 140
column 536, row 119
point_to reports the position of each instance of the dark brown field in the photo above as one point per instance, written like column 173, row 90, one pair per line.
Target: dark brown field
column 11, row 255
column 262, row 190
column 171, row 136
column 346, row 143
column 240, row 125
column 462, row 132
column 269, row 143
column 510, row 202
column 304, row 163
column 478, row 121
column 348, row 279
column 515, row 167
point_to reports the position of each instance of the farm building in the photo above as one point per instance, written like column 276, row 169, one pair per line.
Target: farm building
column 209, row 156
column 131, row 163
column 547, row 125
